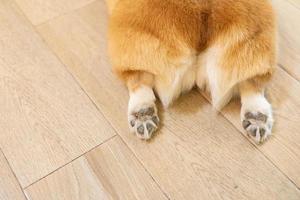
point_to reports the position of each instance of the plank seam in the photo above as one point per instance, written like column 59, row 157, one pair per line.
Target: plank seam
column 74, row 159
column 290, row 74
column 256, row 147
column 75, row 83
column 95, row 105
column 112, row 125
column 147, row 171
column 12, row 171
column 52, row 18
column 294, row 4
column 100, row 111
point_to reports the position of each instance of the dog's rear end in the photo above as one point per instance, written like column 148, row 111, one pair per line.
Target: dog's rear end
column 168, row 46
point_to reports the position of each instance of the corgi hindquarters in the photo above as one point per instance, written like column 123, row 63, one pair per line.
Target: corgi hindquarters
column 142, row 43
column 165, row 39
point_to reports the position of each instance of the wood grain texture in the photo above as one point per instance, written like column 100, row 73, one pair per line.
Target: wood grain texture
column 289, row 31
column 46, row 120
column 110, row 171
column 9, row 186
column 283, row 147
column 39, row 11
column 197, row 154
column 295, row 3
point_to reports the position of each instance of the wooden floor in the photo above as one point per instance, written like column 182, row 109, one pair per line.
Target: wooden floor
column 63, row 127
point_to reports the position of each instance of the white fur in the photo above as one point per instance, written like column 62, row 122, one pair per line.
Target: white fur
column 202, row 70
column 181, row 80
column 140, row 98
column 220, row 87
column 257, row 103
column 201, row 78
column 212, row 72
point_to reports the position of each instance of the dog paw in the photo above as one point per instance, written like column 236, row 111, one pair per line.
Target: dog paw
column 258, row 125
column 144, row 122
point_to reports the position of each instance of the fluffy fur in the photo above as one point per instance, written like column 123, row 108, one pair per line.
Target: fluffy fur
column 172, row 45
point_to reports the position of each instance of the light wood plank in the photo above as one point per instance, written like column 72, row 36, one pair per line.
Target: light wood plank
column 197, row 154
column 289, row 31
column 39, row 11
column 9, row 186
column 283, row 148
column 295, row 3
column 110, row 171
column 46, row 120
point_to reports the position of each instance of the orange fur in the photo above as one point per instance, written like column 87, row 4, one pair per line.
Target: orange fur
column 161, row 36
column 136, row 78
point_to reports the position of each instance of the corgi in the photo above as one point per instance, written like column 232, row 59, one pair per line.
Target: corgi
column 163, row 48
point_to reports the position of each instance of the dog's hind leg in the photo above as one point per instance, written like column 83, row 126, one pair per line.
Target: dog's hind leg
column 142, row 111
column 256, row 112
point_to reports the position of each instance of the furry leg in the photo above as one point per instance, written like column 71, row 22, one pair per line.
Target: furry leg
column 142, row 112
column 256, row 112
